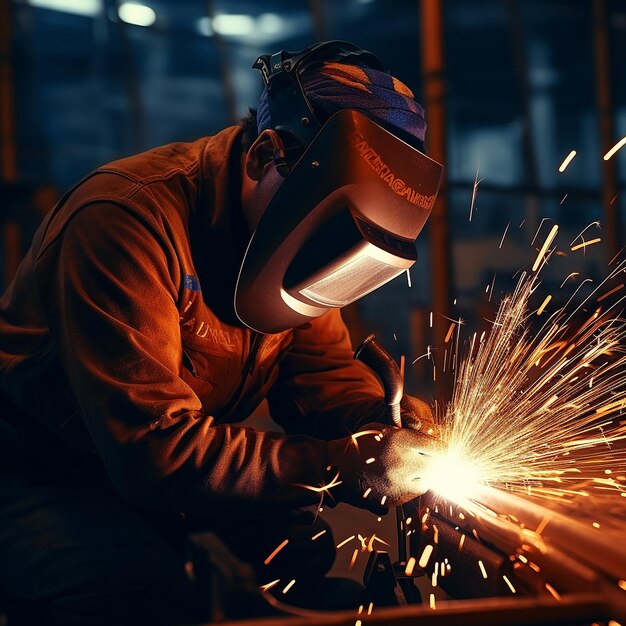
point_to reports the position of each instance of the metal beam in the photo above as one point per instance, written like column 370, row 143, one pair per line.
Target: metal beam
column 604, row 100
column 434, row 103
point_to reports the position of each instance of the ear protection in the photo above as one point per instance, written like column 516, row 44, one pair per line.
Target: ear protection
column 279, row 156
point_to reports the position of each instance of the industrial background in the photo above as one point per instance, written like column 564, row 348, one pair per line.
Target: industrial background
column 509, row 87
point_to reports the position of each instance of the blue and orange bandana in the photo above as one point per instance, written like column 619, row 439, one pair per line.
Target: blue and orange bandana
column 380, row 96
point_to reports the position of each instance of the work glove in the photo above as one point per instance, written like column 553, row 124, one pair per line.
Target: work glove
column 379, row 466
column 416, row 415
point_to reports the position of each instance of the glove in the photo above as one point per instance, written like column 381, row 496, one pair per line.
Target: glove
column 416, row 415
column 379, row 466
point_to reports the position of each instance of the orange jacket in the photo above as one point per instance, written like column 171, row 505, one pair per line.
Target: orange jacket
column 118, row 335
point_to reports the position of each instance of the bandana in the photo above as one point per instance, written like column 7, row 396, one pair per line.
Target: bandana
column 380, row 96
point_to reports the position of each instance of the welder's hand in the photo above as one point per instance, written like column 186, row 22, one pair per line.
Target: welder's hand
column 416, row 415
column 379, row 466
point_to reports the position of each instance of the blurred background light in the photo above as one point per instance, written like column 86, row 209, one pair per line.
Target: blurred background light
column 233, row 25
column 88, row 8
column 136, row 14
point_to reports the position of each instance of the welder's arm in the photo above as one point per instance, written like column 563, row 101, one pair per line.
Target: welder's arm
column 112, row 311
column 322, row 390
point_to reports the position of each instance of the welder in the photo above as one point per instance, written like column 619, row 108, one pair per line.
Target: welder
column 163, row 298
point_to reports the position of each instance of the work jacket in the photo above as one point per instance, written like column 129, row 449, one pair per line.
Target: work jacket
column 118, row 337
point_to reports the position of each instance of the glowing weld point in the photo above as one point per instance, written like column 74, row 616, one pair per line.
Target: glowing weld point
column 275, row 552
column 620, row 144
column 508, row 582
column 482, row 569
column 567, row 161
column 410, row 565
column 428, row 550
column 289, row 586
column 268, row 586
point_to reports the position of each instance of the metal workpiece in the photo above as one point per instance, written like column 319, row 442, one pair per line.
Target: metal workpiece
column 502, row 545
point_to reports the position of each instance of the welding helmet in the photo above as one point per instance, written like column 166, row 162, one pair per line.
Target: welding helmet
column 345, row 219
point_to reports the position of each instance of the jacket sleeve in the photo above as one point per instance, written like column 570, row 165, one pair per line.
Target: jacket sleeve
column 111, row 305
column 321, row 390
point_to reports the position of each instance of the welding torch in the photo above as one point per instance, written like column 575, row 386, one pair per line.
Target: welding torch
column 383, row 365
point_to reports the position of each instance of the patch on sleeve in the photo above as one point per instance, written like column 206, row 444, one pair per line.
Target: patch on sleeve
column 191, row 282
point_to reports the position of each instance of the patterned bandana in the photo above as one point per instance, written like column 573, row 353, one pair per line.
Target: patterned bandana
column 380, row 96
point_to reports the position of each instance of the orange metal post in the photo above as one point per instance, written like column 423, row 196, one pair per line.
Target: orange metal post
column 434, row 103
column 607, row 128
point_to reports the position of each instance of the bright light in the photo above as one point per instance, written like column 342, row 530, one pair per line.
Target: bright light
column 136, row 14
column 88, row 8
column 270, row 24
column 232, row 24
column 203, row 25
column 452, row 476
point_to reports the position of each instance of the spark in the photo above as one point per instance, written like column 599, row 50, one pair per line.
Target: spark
column 584, row 244
column 523, row 399
column 318, row 535
column 367, row 492
column 408, row 276
column 572, row 275
column 483, row 571
column 546, row 245
column 370, row 460
column 275, row 552
column 564, row 198
column 432, row 601
column 508, row 582
column 567, row 161
column 268, row 586
column 288, row 586
column 370, row 608
column 410, row 565
column 504, row 235
column 355, row 554
column 345, row 541
column 622, row 584
column 333, row 483
column 553, row 591
column 543, row 305
column 610, row 293
column 428, row 550
column 474, row 191
column 620, row 144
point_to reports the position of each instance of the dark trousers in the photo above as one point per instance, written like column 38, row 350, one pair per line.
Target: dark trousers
column 73, row 553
